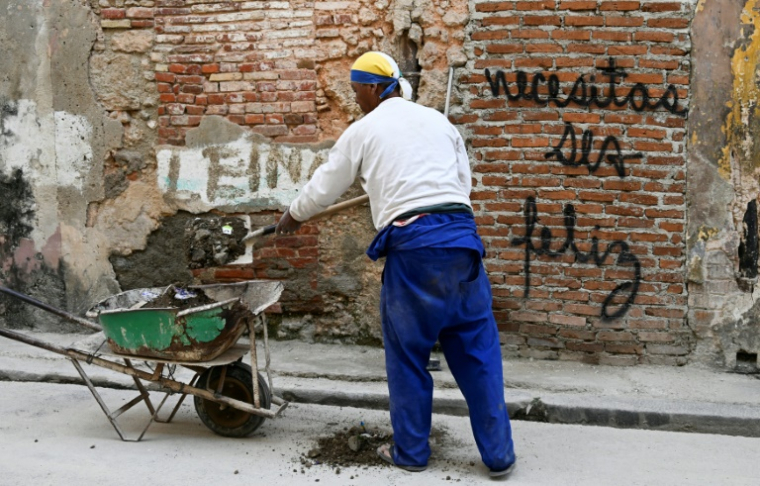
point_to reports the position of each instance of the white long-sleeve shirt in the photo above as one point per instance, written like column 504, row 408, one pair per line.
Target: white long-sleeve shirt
column 407, row 156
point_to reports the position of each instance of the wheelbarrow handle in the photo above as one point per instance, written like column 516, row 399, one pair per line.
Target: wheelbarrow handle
column 60, row 313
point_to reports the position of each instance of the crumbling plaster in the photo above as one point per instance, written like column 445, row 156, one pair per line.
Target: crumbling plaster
column 251, row 174
column 53, row 133
column 79, row 117
column 425, row 36
column 723, row 177
column 255, row 175
column 80, row 121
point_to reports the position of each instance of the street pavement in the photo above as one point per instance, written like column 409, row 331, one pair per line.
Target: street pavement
column 688, row 398
column 55, row 434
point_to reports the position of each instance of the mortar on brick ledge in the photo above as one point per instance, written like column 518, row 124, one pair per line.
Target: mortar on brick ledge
column 330, row 329
column 740, row 340
column 724, row 310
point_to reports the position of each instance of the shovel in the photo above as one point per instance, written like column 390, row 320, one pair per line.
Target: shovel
column 247, row 257
column 335, row 208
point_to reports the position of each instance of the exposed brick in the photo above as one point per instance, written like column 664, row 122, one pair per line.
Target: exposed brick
column 116, row 24
column 113, row 13
column 624, row 21
column 237, row 273
column 672, row 23
column 494, row 7
column 618, row 348
column 508, row 143
column 140, row 13
column 662, row 7
column 141, row 24
column 584, row 21
column 542, row 20
column 505, row 48
column 620, row 6
column 578, row 5
column 500, row 21
column 271, row 130
column 535, row 5
column 585, row 347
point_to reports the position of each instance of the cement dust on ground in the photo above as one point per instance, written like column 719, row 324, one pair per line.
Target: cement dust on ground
column 353, row 446
column 54, row 434
column 357, row 447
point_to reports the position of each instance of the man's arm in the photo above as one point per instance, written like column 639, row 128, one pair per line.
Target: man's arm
column 330, row 180
column 463, row 164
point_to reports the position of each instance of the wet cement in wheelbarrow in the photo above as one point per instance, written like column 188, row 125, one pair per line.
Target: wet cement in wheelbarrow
column 168, row 300
column 357, row 446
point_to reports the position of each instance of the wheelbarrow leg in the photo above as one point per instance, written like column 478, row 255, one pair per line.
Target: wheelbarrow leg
column 179, row 403
column 267, row 359
column 112, row 416
column 143, row 392
column 103, row 406
column 254, row 364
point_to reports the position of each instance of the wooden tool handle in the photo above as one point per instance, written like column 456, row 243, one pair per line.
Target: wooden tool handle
column 335, row 208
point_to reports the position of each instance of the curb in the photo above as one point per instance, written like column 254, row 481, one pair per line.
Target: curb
column 646, row 414
column 656, row 415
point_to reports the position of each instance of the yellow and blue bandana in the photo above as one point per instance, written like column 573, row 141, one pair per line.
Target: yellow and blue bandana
column 378, row 68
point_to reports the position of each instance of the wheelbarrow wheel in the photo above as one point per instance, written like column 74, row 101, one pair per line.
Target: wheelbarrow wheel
column 226, row 420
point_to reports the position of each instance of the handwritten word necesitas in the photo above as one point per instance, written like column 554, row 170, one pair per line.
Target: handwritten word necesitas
column 583, row 93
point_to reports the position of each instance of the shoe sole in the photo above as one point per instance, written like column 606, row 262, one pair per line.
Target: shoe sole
column 505, row 472
column 389, row 460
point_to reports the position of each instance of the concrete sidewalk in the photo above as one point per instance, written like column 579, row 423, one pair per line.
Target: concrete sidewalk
column 690, row 398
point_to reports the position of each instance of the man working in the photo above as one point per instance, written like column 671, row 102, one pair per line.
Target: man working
column 413, row 165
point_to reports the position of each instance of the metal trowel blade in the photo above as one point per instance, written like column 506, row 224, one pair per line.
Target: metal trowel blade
column 247, row 257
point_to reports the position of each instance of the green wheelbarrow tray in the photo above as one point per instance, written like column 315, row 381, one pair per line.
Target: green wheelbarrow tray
column 193, row 335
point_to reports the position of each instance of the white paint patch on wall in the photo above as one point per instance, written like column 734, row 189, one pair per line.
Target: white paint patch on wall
column 27, row 143
column 24, row 140
column 238, row 173
column 53, row 150
column 73, row 150
column 28, row 140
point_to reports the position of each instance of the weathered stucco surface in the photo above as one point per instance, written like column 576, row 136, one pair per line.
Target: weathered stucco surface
column 52, row 138
column 98, row 206
column 121, row 121
column 723, row 181
column 247, row 173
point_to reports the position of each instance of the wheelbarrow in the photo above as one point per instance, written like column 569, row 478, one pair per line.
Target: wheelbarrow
column 231, row 398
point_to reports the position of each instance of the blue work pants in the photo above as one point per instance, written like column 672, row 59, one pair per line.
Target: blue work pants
column 442, row 294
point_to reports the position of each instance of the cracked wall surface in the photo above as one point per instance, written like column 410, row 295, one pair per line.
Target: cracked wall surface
column 575, row 116
column 723, row 182
column 122, row 121
column 51, row 142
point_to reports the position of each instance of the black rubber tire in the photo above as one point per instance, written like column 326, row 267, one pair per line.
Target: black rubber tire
column 231, row 422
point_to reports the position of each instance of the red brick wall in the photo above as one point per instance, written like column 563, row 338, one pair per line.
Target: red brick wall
column 586, row 256
column 292, row 259
column 581, row 201
column 239, row 60
column 278, row 68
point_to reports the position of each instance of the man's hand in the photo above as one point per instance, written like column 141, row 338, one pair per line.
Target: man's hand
column 287, row 224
